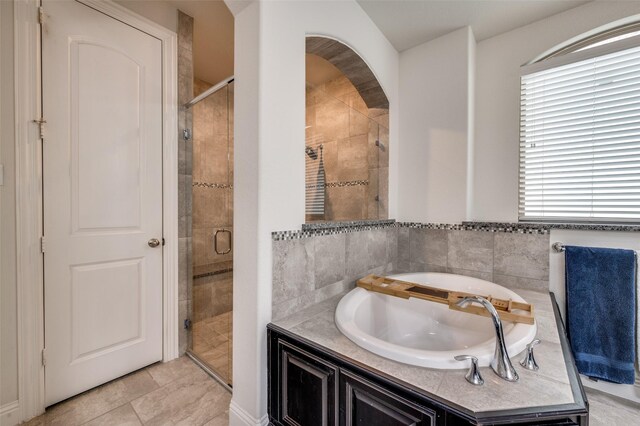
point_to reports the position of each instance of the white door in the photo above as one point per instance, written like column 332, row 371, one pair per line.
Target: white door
column 102, row 183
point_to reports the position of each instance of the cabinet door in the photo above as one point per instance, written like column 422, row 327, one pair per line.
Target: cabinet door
column 308, row 389
column 364, row 404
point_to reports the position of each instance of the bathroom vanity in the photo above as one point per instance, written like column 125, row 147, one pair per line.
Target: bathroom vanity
column 319, row 377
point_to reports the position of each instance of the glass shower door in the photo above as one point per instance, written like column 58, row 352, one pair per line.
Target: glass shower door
column 212, row 231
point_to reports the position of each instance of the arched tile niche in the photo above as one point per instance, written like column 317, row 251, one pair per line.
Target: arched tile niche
column 347, row 136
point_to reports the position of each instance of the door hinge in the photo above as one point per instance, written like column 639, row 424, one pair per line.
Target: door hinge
column 42, row 244
column 41, row 15
column 41, row 122
column 44, row 357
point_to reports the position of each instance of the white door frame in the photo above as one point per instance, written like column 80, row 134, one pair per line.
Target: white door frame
column 30, row 274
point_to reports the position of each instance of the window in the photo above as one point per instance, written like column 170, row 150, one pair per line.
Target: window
column 580, row 134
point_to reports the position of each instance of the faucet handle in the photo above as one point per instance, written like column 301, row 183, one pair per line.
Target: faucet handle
column 529, row 361
column 473, row 375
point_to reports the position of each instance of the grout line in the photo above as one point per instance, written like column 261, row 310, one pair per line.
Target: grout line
column 119, row 379
column 214, row 417
column 470, row 270
column 526, row 278
column 146, row 370
column 161, row 386
column 136, row 413
column 447, row 251
column 103, row 414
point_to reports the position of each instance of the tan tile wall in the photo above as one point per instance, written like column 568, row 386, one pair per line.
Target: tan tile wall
column 185, row 155
column 338, row 118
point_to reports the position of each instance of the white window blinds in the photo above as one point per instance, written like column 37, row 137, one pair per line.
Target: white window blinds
column 580, row 136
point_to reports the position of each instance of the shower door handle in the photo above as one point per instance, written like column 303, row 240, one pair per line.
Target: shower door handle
column 215, row 241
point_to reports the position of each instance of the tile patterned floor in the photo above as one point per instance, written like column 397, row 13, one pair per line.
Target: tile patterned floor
column 212, row 343
column 174, row 393
column 181, row 393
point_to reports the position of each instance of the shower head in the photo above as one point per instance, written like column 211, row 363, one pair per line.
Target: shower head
column 312, row 153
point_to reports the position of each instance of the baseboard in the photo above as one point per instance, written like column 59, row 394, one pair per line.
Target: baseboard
column 628, row 392
column 10, row 414
column 239, row 417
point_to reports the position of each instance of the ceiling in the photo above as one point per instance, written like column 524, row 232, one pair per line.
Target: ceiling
column 212, row 38
column 408, row 23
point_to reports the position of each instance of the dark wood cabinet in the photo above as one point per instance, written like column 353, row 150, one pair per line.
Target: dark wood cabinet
column 308, row 385
column 364, row 403
column 308, row 389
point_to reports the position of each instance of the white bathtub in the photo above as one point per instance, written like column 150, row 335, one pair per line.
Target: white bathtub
column 428, row 334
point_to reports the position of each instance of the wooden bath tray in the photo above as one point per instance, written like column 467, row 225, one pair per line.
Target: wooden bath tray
column 507, row 309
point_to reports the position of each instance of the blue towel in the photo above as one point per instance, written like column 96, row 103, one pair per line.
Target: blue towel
column 601, row 311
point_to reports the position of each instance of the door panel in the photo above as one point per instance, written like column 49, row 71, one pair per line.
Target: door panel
column 102, row 186
column 364, row 403
column 95, row 290
column 106, row 165
column 309, row 389
column 306, row 392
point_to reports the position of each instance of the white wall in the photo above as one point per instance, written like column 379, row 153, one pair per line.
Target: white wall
column 436, row 103
column 269, row 157
column 434, row 126
column 497, row 100
column 161, row 12
column 8, row 318
column 250, row 312
column 212, row 35
column 497, row 97
column 433, row 97
column 497, row 130
column 459, row 127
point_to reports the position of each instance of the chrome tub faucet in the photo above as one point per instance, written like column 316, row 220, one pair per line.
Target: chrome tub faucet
column 501, row 364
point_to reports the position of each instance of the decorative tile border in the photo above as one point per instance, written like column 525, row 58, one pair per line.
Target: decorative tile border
column 212, row 185
column 345, row 224
column 339, row 184
column 513, row 228
column 344, row 184
column 594, row 227
column 522, row 227
column 309, row 230
column 549, row 226
column 331, row 228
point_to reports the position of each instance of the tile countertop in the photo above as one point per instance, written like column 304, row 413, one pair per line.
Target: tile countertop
column 549, row 386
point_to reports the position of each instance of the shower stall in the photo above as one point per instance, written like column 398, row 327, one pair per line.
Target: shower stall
column 211, row 132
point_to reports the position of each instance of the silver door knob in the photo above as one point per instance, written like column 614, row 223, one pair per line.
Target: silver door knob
column 154, row 242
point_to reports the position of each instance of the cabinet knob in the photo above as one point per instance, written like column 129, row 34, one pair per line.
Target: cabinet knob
column 473, row 375
column 529, row 361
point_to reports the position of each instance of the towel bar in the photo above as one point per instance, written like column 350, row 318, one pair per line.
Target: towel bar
column 559, row 248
